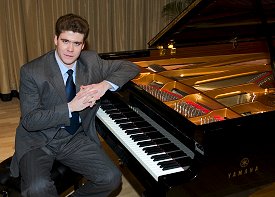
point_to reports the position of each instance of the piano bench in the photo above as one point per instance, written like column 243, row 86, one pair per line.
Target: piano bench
column 63, row 177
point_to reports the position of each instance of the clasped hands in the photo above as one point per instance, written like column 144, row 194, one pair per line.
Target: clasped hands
column 88, row 95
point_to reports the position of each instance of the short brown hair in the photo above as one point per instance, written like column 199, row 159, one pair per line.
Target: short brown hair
column 72, row 22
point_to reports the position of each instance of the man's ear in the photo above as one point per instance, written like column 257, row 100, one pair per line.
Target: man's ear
column 55, row 39
column 83, row 45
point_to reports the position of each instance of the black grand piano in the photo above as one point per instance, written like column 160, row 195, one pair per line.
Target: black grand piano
column 199, row 119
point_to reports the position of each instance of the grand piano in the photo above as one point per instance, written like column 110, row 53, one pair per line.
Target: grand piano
column 198, row 120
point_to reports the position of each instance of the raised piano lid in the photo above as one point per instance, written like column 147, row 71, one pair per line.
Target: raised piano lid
column 206, row 22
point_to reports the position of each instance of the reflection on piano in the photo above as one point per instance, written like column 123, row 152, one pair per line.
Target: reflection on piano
column 196, row 121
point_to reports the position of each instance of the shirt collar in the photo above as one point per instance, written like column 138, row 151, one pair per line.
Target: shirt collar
column 62, row 67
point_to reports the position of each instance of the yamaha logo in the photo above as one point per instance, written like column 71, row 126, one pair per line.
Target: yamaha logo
column 244, row 169
column 244, row 162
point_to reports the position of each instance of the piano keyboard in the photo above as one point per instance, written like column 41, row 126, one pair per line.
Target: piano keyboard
column 155, row 149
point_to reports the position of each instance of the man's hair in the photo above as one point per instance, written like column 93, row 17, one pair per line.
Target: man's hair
column 72, row 22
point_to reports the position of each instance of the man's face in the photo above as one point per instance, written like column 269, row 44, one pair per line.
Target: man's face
column 69, row 46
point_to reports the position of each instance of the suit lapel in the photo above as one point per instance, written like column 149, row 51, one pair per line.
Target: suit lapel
column 81, row 75
column 55, row 77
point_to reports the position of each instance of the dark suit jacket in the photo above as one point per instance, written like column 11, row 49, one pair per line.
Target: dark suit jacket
column 43, row 100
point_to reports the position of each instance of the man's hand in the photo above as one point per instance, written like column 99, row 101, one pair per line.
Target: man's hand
column 88, row 95
column 95, row 91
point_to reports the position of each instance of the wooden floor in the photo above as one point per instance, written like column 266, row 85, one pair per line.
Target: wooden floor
column 9, row 118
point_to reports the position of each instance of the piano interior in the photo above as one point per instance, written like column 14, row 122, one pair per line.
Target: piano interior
column 213, row 90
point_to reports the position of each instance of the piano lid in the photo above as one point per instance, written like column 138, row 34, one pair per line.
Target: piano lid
column 206, row 22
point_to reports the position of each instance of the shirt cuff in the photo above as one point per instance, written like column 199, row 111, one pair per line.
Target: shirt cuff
column 70, row 113
column 114, row 86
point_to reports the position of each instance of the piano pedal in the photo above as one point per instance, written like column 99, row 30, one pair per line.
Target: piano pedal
column 121, row 163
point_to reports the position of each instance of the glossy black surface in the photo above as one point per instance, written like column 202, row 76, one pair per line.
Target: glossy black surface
column 221, row 21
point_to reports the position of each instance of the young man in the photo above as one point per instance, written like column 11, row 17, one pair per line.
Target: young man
column 58, row 94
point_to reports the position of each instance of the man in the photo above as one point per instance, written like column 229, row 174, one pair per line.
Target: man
column 58, row 125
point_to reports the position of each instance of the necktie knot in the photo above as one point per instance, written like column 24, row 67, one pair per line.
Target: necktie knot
column 70, row 72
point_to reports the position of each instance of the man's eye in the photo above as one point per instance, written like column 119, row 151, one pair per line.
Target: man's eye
column 77, row 43
column 65, row 41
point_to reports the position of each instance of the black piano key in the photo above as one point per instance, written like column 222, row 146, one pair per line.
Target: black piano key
column 162, row 141
column 154, row 142
column 107, row 107
column 147, row 136
column 112, row 111
column 112, row 107
column 119, row 115
column 132, row 119
column 160, row 157
column 184, row 161
column 123, row 120
column 125, row 110
column 113, row 104
column 128, row 126
column 130, row 115
column 159, row 149
column 139, row 137
column 177, row 154
column 140, row 130
column 134, row 125
column 133, row 131
column 171, row 155
column 169, row 147
column 146, row 143
column 148, row 129
column 106, row 104
column 136, row 122
column 169, row 167
column 152, row 150
column 142, row 124
column 168, row 163
column 155, row 135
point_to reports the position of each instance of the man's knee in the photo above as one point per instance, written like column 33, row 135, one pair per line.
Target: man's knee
column 39, row 188
column 114, row 179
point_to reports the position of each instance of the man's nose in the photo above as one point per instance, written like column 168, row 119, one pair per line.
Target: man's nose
column 71, row 47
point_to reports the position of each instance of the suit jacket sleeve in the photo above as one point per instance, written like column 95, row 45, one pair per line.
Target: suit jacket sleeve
column 118, row 72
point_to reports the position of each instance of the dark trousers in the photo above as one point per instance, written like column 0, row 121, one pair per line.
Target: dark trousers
column 79, row 153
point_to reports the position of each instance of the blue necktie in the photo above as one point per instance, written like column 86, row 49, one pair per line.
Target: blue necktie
column 70, row 92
